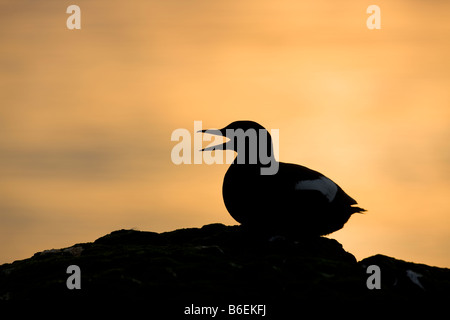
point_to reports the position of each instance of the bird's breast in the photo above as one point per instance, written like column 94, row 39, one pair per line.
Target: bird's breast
column 246, row 192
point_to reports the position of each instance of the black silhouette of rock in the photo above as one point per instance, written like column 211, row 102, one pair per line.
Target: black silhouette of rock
column 218, row 265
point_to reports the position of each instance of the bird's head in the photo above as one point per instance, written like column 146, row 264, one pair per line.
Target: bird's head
column 244, row 125
column 248, row 138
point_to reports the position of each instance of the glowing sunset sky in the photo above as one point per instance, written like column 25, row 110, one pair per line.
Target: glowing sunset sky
column 86, row 115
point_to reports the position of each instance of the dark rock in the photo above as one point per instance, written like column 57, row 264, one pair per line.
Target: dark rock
column 411, row 280
column 217, row 265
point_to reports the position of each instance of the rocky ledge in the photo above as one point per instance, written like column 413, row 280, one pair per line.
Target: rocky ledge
column 219, row 265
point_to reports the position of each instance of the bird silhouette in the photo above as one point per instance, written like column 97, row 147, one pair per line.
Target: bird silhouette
column 282, row 198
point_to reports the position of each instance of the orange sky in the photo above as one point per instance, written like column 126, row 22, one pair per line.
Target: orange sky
column 86, row 115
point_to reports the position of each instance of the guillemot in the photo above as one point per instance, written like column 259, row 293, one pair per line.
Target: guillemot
column 295, row 200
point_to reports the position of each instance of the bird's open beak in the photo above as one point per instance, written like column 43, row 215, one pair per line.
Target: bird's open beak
column 216, row 133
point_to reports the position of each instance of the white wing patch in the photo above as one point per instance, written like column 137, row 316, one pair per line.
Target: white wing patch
column 324, row 185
